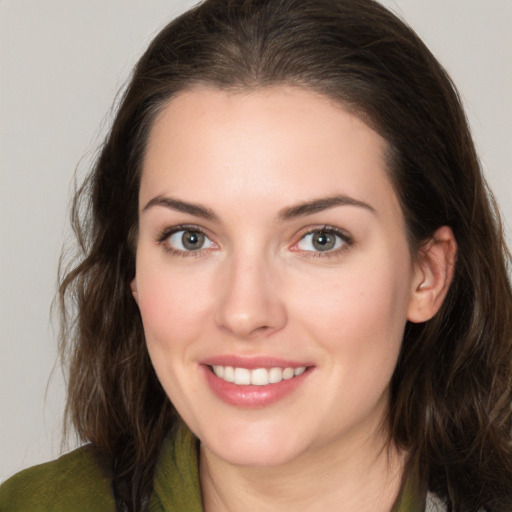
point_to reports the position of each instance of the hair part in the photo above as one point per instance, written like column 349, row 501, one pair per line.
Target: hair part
column 452, row 389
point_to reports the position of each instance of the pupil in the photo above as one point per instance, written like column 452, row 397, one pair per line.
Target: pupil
column 323, row 241
column 192, row 240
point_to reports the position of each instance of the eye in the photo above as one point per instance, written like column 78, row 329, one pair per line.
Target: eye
column 187, row 240
column 323, row 240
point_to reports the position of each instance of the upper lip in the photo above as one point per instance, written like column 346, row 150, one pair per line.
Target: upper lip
column 252, row 362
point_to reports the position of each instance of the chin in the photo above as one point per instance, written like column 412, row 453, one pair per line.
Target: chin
column 257, row 445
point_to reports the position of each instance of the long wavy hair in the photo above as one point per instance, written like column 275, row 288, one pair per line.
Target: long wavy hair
column 451, row 391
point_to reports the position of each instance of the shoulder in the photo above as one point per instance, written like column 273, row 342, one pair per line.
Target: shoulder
column 74, row 482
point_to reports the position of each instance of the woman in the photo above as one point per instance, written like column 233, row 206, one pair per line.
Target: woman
column 293, row 289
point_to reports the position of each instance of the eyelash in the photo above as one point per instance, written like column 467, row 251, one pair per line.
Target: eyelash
column 346, row 239
column 168, row 232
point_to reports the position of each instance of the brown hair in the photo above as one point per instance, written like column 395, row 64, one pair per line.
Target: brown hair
column 451, row 391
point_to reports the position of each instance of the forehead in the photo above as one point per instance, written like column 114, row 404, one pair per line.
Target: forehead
column 282, row 143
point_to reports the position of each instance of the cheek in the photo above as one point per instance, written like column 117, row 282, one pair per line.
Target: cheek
column 172, row 304
column 359, row 313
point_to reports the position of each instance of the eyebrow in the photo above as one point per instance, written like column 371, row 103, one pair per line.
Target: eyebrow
column 288, row 213
column 319, row 205
column 182, row 206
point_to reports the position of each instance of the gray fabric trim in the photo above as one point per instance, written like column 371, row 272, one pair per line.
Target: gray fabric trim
column 434, row 504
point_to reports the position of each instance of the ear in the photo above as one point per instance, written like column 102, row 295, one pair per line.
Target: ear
column 133, row 288
column 433, row 273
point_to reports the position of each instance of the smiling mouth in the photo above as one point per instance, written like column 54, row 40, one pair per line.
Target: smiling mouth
column 257, row 376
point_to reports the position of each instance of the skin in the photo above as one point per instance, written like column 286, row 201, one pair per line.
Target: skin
column 259, row 287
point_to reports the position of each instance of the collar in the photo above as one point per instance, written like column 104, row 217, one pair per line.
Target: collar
column 177, row 487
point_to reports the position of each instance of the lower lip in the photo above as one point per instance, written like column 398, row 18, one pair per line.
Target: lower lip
column 249, row 396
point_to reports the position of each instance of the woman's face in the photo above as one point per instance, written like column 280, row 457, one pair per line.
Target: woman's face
column 271, row 244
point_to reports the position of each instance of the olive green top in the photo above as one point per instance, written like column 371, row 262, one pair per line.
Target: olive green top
column 75, row 482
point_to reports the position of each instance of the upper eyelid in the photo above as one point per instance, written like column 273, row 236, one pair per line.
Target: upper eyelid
column 346, row 238
column 165, row 233
column 162, row 240
column 168, row 231
column 342, row 233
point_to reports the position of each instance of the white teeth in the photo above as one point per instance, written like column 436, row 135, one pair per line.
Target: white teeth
column 258, row 376
column 275, row 375
column 219, row 371
column 242, row 376
column 287, row 373
column 229, row 374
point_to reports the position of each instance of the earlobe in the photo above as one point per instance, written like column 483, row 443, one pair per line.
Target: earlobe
column 133, row 288
column 433, row 274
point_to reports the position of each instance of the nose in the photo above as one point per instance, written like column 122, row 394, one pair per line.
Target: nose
column 249, row 302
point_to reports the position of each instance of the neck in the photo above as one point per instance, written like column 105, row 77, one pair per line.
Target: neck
column 363, row 477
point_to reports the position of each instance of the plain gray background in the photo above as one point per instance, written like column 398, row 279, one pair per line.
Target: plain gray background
column 61, row 64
